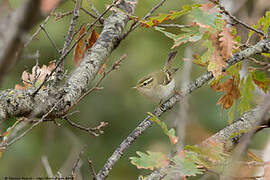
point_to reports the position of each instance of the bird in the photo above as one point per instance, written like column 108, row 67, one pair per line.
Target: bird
column 159, row 85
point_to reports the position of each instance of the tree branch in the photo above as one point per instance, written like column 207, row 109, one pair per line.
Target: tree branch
column 262, row 46
column 16, row 103
column 249, row 120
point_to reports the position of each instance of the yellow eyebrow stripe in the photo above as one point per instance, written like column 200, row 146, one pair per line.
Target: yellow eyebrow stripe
column 147, row 81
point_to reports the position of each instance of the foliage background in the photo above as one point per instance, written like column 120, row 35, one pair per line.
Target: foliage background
column 118, row 104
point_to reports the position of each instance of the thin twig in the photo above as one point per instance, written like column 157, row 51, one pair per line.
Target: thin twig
column 36, row 33
column 61, row 59
column 93, row 8
column 147, row 123
column 224, row 11
column 92, row 169
column 49, row 37
column 71, row 27
column 90, row 14
column 115, row 66
column 77, row 161
column 96, row 131
column 173, row 25
column 61, row 15
column 4, row 146
column 136, row 24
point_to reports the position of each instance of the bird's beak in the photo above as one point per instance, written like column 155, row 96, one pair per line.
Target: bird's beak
column 135, row 87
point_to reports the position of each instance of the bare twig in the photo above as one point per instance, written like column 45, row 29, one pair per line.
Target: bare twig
column 92, row 169
column 5, row 145
column 61, row 15
column 146, row 123
column 96, row 131
column 61, row 59
column 136, row 24
column 115, row 66
column 90, row 14
column 72, row 26
column 77, row 161
column 224, row 11
column 93, row 8
column 173, row 25
column 38, row 30
column 49, row 37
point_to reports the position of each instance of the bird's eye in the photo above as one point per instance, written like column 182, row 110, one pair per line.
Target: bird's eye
column 144, row 84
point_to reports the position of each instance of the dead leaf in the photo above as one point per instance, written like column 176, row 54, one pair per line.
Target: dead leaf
column 217, row 62
column 224, row 44
column 227, row 42
column 78, row 52
column 91, row 40
column 37, row 76
column 230, row 86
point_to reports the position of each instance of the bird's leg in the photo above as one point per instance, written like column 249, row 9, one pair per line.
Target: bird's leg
column 177, row 91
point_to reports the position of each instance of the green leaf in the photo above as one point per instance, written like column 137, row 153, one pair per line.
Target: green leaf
column 207, row 54
column 234, row 70
column 246, row 89
column 209, row 155
column 183, row 166
column 263, row 24
column 266, row 22
column 190, row 34
column 261, row 80
column 200, row 16
column 149, row 160
column 154, row 21
column 170, row 133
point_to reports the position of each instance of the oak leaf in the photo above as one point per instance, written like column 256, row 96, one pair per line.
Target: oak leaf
column 227, row 42
column 80, row 48
column 91, row 40
column 78, row 51
column 36, row 77
column 230, row 87
column 217, row 62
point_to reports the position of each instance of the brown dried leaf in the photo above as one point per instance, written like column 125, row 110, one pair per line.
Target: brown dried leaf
column 230, row 86
column 38, row 75
column 92, row 38
column 78, row 52
column 227, row 43
column 217, row 62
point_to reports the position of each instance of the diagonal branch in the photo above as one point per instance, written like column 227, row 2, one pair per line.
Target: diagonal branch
column 16, row 103
column 262, row 46
column 257, row 116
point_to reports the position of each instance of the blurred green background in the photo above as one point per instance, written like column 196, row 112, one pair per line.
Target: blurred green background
column 118, row 104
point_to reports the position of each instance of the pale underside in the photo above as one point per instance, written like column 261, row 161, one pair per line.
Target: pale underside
column 159, row 92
